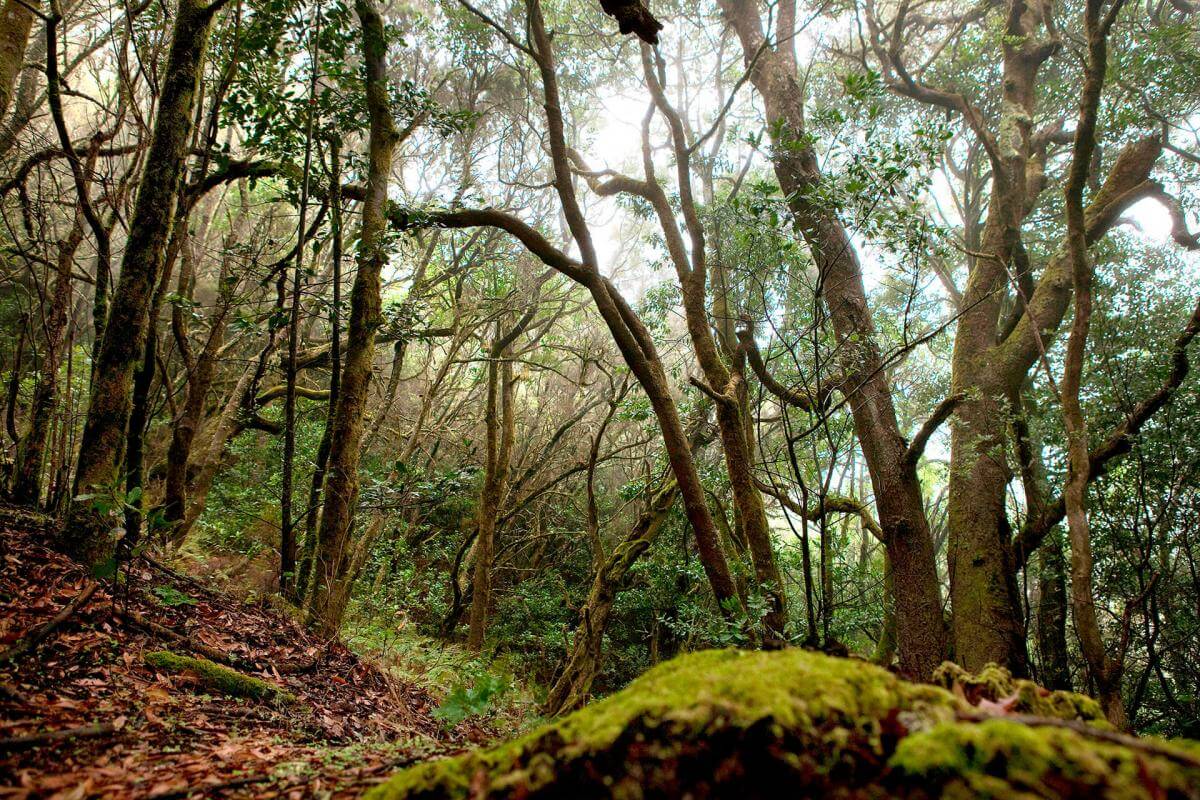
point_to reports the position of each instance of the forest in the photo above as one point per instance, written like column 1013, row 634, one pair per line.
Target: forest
column 572, row 399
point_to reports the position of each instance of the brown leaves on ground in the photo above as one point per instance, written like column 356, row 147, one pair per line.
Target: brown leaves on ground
column 138, row 733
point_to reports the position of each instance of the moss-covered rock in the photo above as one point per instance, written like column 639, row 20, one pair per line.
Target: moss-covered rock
column 1001, row 758
column 996, row 684
column 790, row 724
column 218, row 678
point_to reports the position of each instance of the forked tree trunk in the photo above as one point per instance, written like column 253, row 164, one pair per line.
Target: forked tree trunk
column 331, row 569
column 199, row 380
column 231, row 421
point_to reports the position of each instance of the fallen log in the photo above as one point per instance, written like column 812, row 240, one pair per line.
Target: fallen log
column 219, row 678
column 45, row 737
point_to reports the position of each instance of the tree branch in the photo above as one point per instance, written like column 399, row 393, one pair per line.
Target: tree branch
column 940, row 414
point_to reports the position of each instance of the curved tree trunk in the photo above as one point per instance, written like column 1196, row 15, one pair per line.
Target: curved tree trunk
column 571, row 689
column 897, row 489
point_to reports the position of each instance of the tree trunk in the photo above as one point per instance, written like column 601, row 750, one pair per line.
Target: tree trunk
column 88, row 535
column 341, row 483
column 287, row 526
column 200, row 376
column 27, row 481
column 16, row 21
column 988, row 625
column 570, row 690
column 1052, row 615
column 229, row 423
column 500, row 420
column 1105, row 670
column 304, row 577
column 897, row 489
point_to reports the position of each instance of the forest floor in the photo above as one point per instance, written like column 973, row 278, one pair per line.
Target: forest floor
column 83, row 715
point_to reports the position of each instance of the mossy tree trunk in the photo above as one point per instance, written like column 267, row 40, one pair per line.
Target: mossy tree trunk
column 993, row 356
column 304, row 572
column 16, row 21
column 88, row 533
column 331, row 567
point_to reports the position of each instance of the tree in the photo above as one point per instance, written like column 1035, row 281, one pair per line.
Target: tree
column 331, row 588
column 864, row 378
column 87, row 534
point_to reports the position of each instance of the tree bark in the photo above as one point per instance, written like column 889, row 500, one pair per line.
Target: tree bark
column 16, row 21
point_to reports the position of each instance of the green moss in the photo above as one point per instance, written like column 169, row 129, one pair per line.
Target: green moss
column 996, row 684
column 791, row 723
column 694, row 712
column 1000, row 758
column 218, row 678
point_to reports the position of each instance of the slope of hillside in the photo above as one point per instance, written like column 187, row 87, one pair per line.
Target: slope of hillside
column 95, row 708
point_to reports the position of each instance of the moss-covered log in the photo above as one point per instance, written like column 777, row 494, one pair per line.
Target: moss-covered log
column 799, row 724
column 218, row 678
